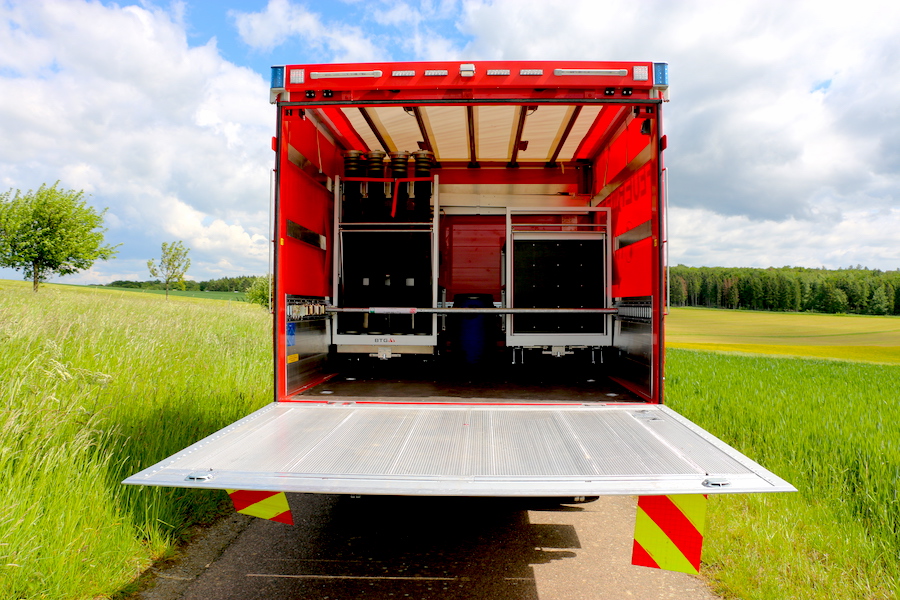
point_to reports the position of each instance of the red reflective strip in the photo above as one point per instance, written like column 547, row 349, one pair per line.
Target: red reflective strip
column 244, row 498
column 675, row 525
column 284, row 517
column 641, row 558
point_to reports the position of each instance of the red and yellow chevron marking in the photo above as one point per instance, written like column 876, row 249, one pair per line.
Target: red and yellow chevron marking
column 265, row 505
column 668, row 532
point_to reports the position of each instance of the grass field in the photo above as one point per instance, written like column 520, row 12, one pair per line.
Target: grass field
column 841, row 337
column 94, row 385
column 229, row 296
column 831, row 427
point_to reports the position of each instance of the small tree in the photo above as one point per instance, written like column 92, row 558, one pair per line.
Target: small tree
column 260, row 291
column 50, row 232
column 173, row 264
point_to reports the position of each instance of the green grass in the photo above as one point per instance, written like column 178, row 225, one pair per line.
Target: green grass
column 95, row 385
column 717, row 326
column 230, row 296
column 833, row 430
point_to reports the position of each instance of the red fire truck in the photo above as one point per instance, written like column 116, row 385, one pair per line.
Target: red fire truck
column 469, row 291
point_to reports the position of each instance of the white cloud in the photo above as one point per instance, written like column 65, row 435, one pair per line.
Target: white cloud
column 700, row 237
column 784, row 135
column 282, row 19
column 113, row 100
column 368, row 32
column 779, row 111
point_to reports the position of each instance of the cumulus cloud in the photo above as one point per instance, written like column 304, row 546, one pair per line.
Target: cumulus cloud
column 358, row 32
column 113, row 100
column 778, row 122
column 784, row 138
column 281, row 19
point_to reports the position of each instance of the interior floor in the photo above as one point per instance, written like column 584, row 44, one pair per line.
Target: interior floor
column 539, row 379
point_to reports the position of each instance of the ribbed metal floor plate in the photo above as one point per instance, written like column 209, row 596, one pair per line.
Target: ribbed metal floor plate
column 468, row 450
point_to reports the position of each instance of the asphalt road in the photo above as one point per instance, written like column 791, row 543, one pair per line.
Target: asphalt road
column 420, row 548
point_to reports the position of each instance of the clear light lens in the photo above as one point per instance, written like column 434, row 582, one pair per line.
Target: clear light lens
column 343, row 74
column 403, row 73
column 601, row 72
column 298, row 76
column 641, row 73
column 436, row 73
column 531, row 71
column 467, row 70
column 498, row 72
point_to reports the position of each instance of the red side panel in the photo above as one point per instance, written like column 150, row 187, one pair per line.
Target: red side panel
column 632, row 201
column 633, row 270
column 305, row 268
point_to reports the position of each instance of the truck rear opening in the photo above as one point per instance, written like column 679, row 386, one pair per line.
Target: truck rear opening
column 469, row 291
column 472, row 220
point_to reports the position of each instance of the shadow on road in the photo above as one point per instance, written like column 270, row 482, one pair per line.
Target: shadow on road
column 391, row 547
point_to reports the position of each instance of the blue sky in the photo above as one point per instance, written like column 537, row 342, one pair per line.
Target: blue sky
column 783, row 126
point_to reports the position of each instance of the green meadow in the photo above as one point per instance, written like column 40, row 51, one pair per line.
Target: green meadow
column 96, row 384
column 227, row 296
column 842, row 337
column 813, row 398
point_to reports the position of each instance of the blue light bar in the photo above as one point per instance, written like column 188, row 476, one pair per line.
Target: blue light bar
column 661, row 74
column 277, row 77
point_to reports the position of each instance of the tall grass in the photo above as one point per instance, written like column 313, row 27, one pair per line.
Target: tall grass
column 96, row 385
column 833, row 430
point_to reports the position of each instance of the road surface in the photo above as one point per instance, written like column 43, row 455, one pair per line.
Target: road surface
column 394, row 548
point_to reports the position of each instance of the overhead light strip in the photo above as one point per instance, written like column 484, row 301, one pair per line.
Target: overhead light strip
column 594, row 72
column 344, row 74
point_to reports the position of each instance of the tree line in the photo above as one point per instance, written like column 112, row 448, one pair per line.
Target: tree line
column 853, row 290
column 241, row 283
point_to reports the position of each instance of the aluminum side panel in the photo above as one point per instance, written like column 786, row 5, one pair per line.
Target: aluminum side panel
column 464, row 450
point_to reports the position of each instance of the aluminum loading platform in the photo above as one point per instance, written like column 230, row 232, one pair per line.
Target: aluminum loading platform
column 350, row 447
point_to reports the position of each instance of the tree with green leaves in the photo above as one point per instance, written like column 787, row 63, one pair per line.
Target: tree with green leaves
column 50, row 231
column 173, row 264
column 260, row 291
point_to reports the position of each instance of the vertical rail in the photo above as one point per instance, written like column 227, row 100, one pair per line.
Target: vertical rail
column 435, row 251
column 336, row 246
column 665, row 241
column 271, row 265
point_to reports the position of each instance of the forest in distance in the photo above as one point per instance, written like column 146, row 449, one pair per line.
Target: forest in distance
column 855, row 290
column 241, row 283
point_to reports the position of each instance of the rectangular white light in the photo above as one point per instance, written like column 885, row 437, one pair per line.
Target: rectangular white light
column 531, row 71
column 641, row 73
column 496, row 72
column 603, row 72
column 298, row 76
column 343, row 74
column 467, row 70
column 436, row 73
column 403, row 73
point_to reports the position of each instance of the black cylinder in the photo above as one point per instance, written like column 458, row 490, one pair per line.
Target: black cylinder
column 354, row 166
column 421, row 209
column 374, row 206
